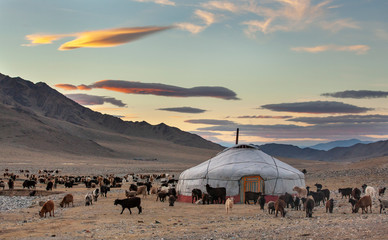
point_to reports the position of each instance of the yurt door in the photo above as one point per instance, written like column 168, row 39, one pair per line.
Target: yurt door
column 252, row 184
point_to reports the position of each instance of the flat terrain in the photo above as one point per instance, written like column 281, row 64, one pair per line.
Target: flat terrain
column 102, row 220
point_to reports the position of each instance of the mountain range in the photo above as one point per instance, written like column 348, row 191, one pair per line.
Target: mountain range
column 340, row 143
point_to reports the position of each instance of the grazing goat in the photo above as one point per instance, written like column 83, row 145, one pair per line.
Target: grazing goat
column 67, row 200
column 330, row 205
column 262, row 202
column 271, row 207
column 196, row 194
column 383, row 205
column 287, row 198
column 345, row 192
column 309, row 206
column 229, row 204
column 217, row 194
column 353, row 202
column 319, row 186
column 356, row 193
column 129, row 203
column 279, row 207
column 142, row 190
column 95, row 194
column 47, row 208
column 161, row 196
column 381, row 191
column 171, row 200
column 129, row 194
column 251, row 196
column 363, row 203
column 302, row 192
column 29, row 184
column 88, row 199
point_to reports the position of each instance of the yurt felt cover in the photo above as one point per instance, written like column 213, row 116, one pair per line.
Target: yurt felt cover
column 230, row 165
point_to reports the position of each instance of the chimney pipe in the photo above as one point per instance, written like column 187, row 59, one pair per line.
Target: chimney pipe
column 237, row 136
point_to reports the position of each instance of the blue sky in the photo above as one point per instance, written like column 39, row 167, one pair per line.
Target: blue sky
column 286, row 71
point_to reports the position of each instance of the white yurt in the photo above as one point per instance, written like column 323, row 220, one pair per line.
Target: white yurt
column 239, row 169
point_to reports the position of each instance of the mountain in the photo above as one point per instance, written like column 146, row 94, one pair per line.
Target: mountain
column 356, row 152
column 341, row 143
column 37, row 117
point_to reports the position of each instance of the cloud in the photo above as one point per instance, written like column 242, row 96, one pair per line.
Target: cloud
column 357, row 94
column 316, row 107
column 95, row 39
column 221, row 5
column 211, row 122
column 358, row 49
column 157, row 89
column 265, row 117
column 161, row 2
column 338, row 25
column 66, row 86
column 353, row 119
column 194, row 29
column 208, row 19
column 183, row 110
column 85, row 99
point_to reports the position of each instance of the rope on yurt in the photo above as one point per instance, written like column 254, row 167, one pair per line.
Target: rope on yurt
column 207, row 172
column 277, row 177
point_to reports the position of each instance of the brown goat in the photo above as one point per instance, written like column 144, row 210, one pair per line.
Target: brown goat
column 142, row 190
column 279, row 207
column 67, row 200
column 363, row 203
column 47, row 208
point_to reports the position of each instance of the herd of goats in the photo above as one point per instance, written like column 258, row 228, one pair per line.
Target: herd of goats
column 141, row 184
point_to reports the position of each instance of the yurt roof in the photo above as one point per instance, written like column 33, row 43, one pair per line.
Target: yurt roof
column 242, row 160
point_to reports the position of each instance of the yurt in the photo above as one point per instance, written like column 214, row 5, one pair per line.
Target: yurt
column 239, row 169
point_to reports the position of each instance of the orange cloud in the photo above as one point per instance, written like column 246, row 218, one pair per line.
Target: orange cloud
column 66, row 86
column 358, row 49
column 95, row 39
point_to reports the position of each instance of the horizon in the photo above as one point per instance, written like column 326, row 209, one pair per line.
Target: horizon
column 297, row 72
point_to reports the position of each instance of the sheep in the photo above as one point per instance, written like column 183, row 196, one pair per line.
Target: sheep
column 381, row 191
column 383, row 204
column 261, row 201
column 129, row 203
column 196, row 194
column 363, row 203
column 251, row 196
column 370, row 191
column 67, row 200
column 142, row 190
column 330, row 205
column 229, row 204
column 95, row 194
column 88, row 199
column 302, row 192
column 171, row 200
column 271, row 207
column 161, row 196
column 279, row 207
column 129, row 194
column 47, row 208
column 356, row 193
column 217, row 194
column 309, row 206
column 345, row 192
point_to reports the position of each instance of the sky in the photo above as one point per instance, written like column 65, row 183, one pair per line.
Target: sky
column 296, row 72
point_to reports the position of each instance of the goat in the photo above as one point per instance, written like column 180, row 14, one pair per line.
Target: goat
column 129, row 203
column 29, row 183
column 330, row 205
column 319, row 186
column 171, row 200
column 381, row 191
column 326, row 192
column 287, row 198
column 142, row 190
column 356, row 193
column 271, row 207
column 297, row 203
column 161, row 196
column 229, row 204
column 345, row 192
column 309, row 206
column 129, row 194
column 88, row 199
column 302, row 192
column 196, row 194
column 95, row 194
column 353, row 202
column 279, row 207
column 47, row 208
column 261, row 201
column 363, row 203
column 251, row 196
column 49, row 186
column 67, row 200
column 217, row 194
column 370, row 191
column 2, row 184
column 383, row 204
column 206, row 198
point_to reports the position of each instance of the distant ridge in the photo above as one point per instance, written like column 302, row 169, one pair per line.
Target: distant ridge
column 356, row 152
column 341, row 143
column 38, row 111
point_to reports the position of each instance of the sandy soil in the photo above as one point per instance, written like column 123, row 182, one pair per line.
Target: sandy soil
column 102, row 220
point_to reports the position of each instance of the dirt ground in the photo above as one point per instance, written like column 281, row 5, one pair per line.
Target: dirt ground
column 103, row 220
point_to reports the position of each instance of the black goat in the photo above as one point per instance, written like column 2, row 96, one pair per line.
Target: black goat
column 104, row 190
column 217, row 194
column 319, row 186
column 196, row 194
column 129, row 203
column 309, row 206
column 326, row 192
column 345, row 192
column 262, row 202
column 356, row 193
column 171, row 200
column 297, row 203
column 287, row 198
column 49, row 186
column 249, row 196
column 29, row 184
